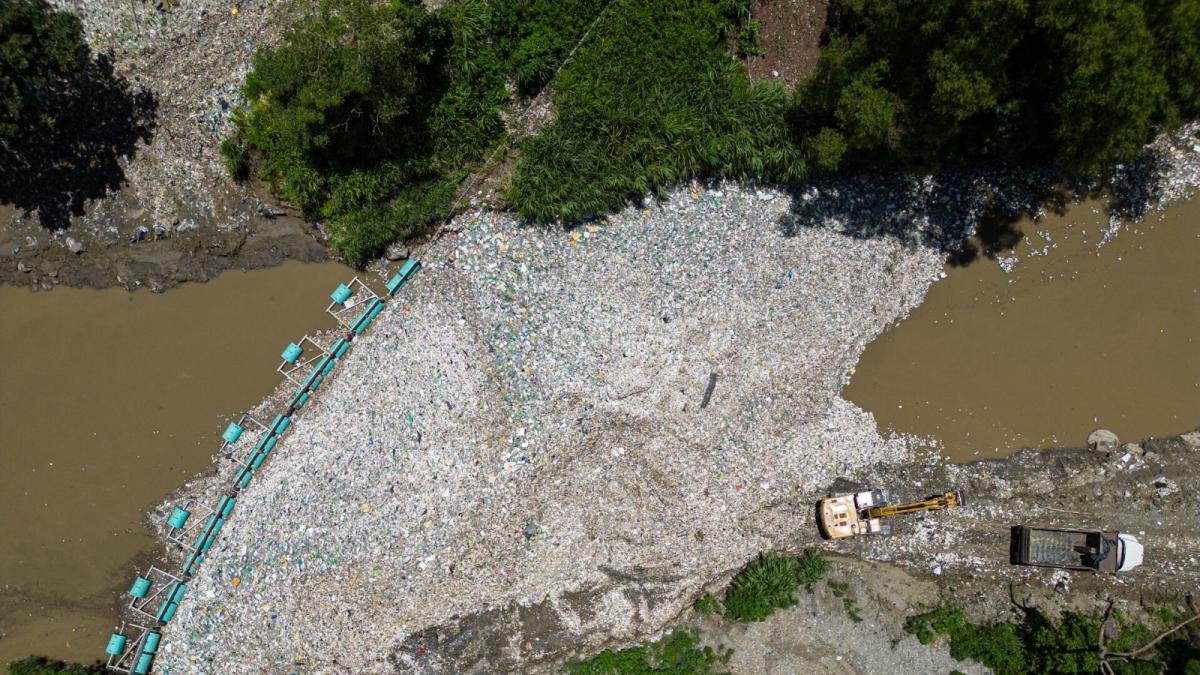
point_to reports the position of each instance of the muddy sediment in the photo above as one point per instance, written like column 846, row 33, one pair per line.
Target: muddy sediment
column 142, row 256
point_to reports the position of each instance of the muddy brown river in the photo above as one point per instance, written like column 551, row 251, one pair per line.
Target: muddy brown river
column 1072, row 339
column 109, row 400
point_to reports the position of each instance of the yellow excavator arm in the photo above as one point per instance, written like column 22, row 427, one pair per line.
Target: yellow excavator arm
column 948, row 500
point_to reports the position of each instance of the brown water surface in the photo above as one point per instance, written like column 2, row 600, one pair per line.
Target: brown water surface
column 108, row 401
column 1073, row 339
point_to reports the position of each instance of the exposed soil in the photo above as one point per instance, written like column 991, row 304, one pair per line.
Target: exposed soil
column 1136, row 488
column 790, row 35
column 155, row 256
column 961, row 555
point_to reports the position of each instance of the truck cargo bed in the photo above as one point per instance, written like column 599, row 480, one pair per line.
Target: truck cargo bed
column 1074, row 549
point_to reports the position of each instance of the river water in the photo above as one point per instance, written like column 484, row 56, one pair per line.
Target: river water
column 108, row 401
column 1074, row 338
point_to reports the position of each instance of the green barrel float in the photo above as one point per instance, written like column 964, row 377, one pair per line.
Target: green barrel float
column 302, row 399
column 141, row 586
column 232, row 432
column 377, row 308
column 328, row 366
column 116, row 644
column 317, row 382
column 262, row 442
column 243, row 478
column 280, row 424
column 270, row 444
column 165, row 611
column 193, row 563
column 151, row 644
column 308, row 381
column 257, row 460
column 401, row 277
column 178, row 517
column 177, row 594
column 226, row 505
column 169, row 613
column 339, row 348
column 292, row 352
column 341, row 294
column 143, row 664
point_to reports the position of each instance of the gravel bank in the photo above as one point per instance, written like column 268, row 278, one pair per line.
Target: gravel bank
column 526, row 421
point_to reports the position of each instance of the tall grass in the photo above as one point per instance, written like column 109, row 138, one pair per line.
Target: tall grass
column 652, row 97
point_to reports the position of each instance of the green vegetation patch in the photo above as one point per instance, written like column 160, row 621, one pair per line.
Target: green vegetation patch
column 38, row 665
column 1041, row 646
column 369, row 113
column 366, row 112
column 927, row 83
column 770, row 583
column 40, row 50
column 653, row 96
column 678, row 653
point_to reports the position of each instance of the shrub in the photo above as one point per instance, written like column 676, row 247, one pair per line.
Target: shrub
column 678, row 653
column 40, row 665
column 769, row 583
column 707, row 605
column 1039, row 646
column 40, row 50
column 366, row 113
column 748, row 40
column 926, row 83
column 651, row 98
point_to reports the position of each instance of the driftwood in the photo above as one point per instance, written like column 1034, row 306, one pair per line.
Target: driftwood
column 1102, row 651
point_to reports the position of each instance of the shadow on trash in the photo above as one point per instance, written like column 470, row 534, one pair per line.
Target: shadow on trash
column 98, row 121
column 968, row 215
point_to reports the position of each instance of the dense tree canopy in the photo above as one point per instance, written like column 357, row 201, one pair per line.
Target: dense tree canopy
column 40, row 50
column 923, row 83
column 369, row 113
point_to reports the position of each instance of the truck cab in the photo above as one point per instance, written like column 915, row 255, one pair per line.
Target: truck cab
column 1084, row 550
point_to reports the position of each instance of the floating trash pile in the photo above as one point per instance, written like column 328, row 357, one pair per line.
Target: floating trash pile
column 530, row 423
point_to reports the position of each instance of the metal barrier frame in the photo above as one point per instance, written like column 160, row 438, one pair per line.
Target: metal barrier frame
column 343, row 312
column 160, row 580
column 180, row 535
column 290, row 370
column 227, row 449
column 126, row 661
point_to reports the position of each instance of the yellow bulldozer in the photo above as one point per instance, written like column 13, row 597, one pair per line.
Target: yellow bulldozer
column 856, row 513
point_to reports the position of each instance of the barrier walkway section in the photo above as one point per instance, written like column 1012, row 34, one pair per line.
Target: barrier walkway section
column 157, row 594
column 132, row 656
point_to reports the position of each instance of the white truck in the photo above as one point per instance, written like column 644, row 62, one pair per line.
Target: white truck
column 1092, row 550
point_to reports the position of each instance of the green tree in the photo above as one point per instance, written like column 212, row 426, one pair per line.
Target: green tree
column 926, row 83
column 41, row 50
column 336, row 114
column 1108, row 87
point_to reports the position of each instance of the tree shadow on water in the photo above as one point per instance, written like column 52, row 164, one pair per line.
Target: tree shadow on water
column 98, row 120
column 967, row 215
